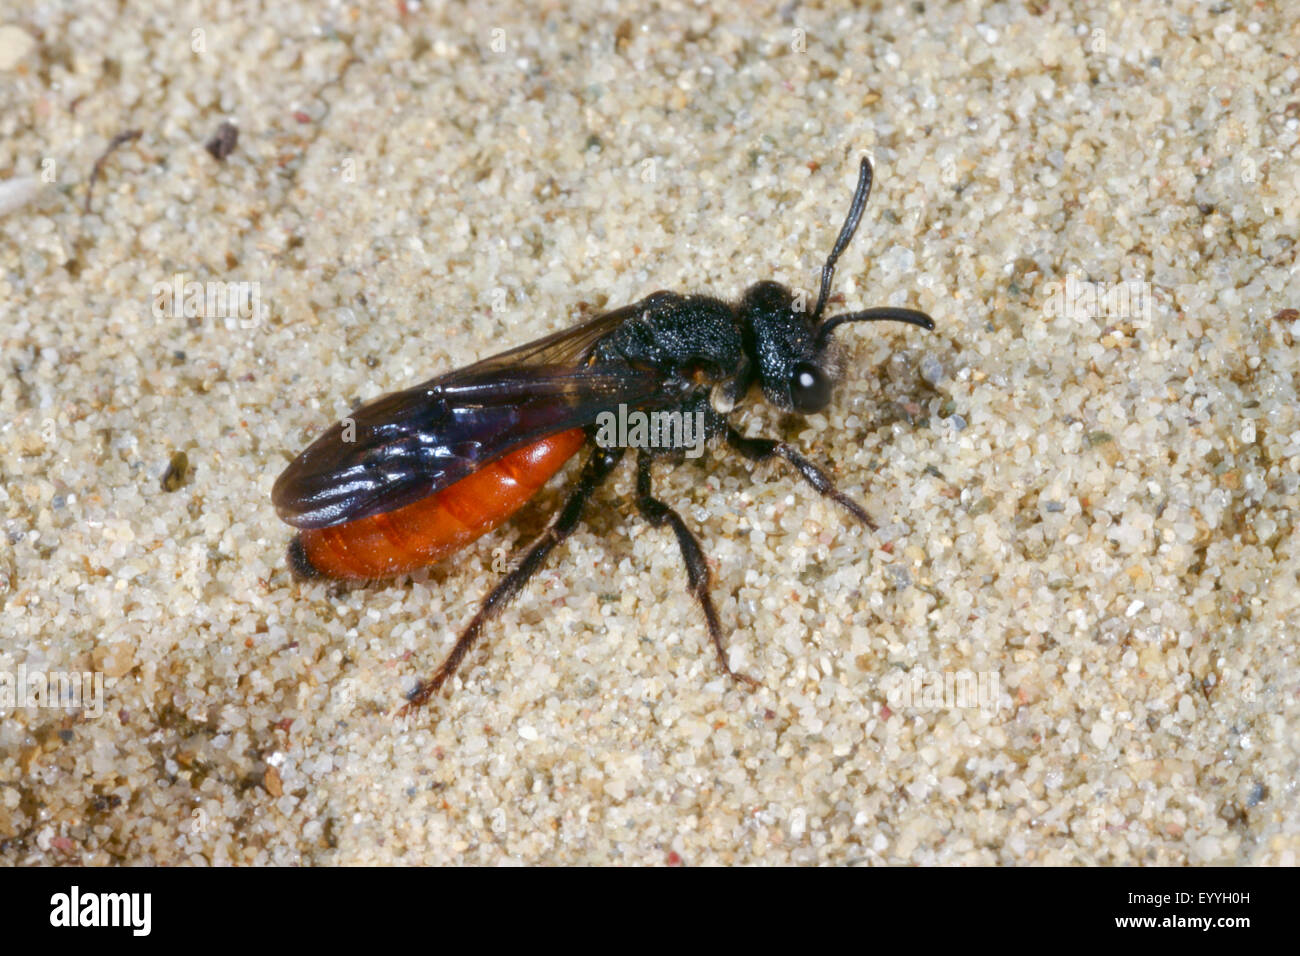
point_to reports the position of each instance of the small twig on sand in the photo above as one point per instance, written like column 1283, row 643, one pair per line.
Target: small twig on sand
column 113, row 144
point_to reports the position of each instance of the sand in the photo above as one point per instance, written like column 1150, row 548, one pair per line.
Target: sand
column 1071, row 641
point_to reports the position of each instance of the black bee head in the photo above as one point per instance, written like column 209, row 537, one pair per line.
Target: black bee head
column 790, row 345
column 783, row 344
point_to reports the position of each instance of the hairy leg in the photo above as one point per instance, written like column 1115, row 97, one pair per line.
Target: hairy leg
column 763, row 449
column 697, row 569
column 594, row 472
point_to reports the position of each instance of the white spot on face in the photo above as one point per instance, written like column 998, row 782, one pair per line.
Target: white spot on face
column 722, row 402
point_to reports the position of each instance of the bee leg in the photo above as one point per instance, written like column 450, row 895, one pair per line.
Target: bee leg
column 594, row 472
column 697, row 570
column 764, row 449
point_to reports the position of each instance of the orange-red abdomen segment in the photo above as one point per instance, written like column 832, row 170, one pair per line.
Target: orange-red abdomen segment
column 428, row 530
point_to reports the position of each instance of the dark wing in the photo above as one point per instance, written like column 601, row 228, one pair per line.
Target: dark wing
column 404, row 446
column 567, row 348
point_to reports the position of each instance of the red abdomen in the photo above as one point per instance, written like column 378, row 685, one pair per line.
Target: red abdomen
column 428, row 530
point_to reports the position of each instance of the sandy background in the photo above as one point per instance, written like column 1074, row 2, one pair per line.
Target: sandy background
column 1097, row 511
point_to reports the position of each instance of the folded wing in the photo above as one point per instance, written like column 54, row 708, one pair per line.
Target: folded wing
column 404, row 446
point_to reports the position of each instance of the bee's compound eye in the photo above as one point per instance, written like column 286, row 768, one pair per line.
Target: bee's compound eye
column 810, row 388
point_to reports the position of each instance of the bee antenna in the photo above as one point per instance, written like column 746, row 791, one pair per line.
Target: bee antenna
column 883, row 313
column 850, row 226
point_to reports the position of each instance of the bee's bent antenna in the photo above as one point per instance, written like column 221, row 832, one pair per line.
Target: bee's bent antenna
column 846, row 234
column 882, row 313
